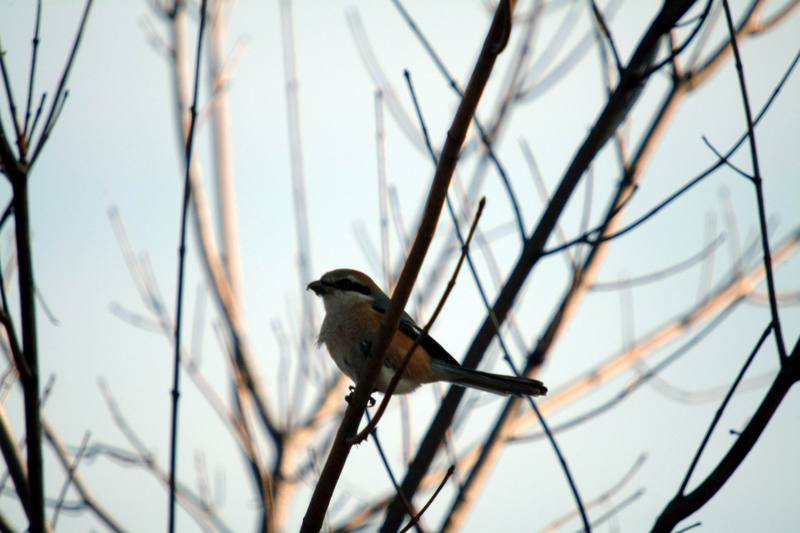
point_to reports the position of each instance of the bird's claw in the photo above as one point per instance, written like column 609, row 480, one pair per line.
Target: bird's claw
column 370, row 402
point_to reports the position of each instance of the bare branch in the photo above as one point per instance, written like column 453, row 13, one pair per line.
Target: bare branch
column 176, row 370
column 762, row 217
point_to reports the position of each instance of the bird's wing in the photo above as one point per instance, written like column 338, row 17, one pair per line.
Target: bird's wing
column 410, row 329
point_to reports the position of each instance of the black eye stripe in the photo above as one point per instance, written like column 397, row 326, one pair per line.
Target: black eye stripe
column 346, row 284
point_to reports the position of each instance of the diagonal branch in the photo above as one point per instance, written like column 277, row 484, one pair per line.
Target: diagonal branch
column 492, row 47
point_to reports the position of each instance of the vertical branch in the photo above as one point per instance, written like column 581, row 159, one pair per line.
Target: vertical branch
column 27, row 300
column 34, row 49
column 181, row 266
column 756, row 179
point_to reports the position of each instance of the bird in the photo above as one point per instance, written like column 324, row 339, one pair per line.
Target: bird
column 354, row 307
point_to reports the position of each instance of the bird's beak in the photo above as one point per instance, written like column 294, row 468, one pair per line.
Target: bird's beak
column 318, row 288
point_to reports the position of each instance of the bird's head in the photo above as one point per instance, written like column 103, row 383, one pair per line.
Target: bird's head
column 345, row 286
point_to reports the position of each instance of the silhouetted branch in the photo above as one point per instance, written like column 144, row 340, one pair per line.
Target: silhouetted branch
column 592, row 236
column 769, row 329
column 762, row 217
column 59, row 96
column 416, row 518
column 176, row 370
column 683, row 505
column 699, row 22
column 388, row 467
column 12, row 106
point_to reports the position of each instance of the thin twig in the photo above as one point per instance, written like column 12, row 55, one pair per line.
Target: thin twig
column 398, row 374
column 483, row 134
column 388, row 467
column 684, row 504
column 58, row 95
column 601, row 21
column 68, row 481
column 605, row 496
column 660, row 274
column 676, row 51
column 10, row 98
column 34, row 49
column 593, row 236
column 762, row 217
column 181, row 266
column 88, row 498
column 416, row 518
column 718, row 414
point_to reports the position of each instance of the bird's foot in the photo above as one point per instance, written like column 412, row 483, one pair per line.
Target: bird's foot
column 370, row 402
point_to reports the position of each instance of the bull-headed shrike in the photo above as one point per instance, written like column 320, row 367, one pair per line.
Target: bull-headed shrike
column 354, row 306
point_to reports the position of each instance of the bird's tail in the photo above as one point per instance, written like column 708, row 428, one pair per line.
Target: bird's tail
column 495, row 383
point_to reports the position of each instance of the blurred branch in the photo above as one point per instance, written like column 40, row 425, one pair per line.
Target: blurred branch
column 602, row 498
column 14, row 461
column 231, row 307
column 71, row 471
column 736, row 288
column 636, row 383
column 206, row 518
column 660, row 274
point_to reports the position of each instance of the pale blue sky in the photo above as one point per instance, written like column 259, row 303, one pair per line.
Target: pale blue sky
column 115, row 146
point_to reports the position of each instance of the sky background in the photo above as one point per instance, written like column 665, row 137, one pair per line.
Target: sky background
column 115, row 147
